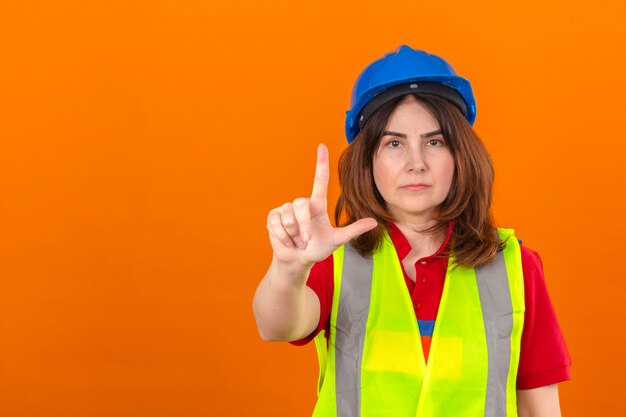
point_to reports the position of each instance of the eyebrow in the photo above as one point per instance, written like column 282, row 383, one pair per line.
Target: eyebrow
column 402, row 135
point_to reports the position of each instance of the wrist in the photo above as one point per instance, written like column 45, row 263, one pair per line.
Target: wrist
column 294, row 271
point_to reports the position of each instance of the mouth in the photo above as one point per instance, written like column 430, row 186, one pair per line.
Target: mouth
column 415, row 187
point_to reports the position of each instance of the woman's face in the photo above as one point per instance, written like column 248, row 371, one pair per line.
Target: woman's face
column 413, row 166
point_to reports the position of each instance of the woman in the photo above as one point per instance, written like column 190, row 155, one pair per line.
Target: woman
column 418, row 242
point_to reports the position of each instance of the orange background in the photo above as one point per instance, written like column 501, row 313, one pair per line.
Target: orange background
column 143, row 143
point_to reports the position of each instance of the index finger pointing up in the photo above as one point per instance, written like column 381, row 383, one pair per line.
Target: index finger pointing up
column 320, row 183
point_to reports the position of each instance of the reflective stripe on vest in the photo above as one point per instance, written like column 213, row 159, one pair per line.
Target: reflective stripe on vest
column 374, row 364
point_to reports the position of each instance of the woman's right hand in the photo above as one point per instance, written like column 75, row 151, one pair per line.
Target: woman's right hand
column 300, row 231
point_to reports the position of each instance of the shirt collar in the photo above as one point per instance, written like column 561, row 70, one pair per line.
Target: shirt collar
column 403, row 247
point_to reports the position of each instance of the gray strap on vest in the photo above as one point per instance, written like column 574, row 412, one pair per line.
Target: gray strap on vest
column 495, row 299
column 354, row 305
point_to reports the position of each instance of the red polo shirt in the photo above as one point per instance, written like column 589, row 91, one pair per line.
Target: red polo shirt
column 544, row 359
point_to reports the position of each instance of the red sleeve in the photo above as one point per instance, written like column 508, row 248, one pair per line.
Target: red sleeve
column 321, row 280
column 544, row 359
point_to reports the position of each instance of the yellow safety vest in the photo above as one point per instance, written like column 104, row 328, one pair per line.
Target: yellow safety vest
column 373, row 364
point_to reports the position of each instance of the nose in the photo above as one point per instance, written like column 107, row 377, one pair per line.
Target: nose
column 415, row 161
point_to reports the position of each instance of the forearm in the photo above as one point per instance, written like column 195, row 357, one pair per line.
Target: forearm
column 285, row 309
column 539, row 402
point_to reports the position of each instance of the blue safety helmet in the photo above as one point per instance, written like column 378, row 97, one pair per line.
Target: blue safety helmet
column 401, row 72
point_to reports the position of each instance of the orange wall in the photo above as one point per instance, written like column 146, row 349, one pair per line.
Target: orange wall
column 142, row 144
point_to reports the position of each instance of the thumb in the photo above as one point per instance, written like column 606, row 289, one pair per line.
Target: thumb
column 345, row 234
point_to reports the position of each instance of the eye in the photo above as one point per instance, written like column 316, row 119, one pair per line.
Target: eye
column 394, row 143
column 436, row 142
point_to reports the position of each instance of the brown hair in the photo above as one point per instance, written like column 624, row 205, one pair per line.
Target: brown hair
column 474, row 241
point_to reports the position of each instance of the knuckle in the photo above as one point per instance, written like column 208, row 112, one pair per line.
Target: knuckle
column 321, row 177
column 300, row 202
column 286, row 241
column 274, row 221
column 278, row 233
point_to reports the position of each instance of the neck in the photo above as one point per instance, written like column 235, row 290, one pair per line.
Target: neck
column 422, row 244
